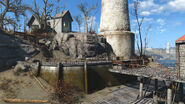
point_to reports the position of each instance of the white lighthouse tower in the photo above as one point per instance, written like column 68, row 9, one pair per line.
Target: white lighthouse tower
column 168, row 48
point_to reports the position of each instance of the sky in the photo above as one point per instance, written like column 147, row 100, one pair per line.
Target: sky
column 165, row 16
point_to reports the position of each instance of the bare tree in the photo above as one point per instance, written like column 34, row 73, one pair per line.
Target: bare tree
column 25, row 23
column 47, row 10
column 139, row 21
column 44, row 13
column 59, row 7
column 78, row 19
column 11, row 6
column 86, row 11
column 146, row 37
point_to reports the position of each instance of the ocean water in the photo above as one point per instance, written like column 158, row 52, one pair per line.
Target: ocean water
column 169, row 63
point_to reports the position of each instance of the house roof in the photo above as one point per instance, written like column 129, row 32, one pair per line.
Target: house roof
column 181, row 39
column 33, row 17
column 61, row 15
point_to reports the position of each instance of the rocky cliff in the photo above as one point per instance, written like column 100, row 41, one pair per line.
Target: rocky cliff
column 79, row 46
column 13, row 49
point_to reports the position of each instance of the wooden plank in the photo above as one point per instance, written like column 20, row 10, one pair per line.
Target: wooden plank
column 86, row 78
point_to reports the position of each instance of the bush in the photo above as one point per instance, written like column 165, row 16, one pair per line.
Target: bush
column 65, row 93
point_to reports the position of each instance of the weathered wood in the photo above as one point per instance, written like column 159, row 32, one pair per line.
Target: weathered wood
column 26, row 101
column 155, row 96
column 169, row 95
column 85, row 76
column 166, row 74
column 39, row 82
column 141, row 88
column 181, row 94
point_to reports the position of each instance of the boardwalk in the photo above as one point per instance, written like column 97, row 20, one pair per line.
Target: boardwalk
column 166, row 74
column 123, row 94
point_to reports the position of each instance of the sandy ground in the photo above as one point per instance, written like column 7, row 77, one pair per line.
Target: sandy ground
column 21, row 87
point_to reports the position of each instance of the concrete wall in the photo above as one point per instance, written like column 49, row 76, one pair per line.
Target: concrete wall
column 50, row 74
column 98, row 76
column 122, row 43
column 114, row 16
column 115, row 27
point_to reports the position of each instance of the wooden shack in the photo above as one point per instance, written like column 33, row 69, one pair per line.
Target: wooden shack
column 180, row 56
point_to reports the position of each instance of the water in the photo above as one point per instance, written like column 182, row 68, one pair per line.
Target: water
column 169, row 63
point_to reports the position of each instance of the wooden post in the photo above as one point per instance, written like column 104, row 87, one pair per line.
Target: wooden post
column 141, row 88
column 169, row 95
column 155, row 96
column 181, row 94
column 85, row 76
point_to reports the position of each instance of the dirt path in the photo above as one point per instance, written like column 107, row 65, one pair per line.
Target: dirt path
column 22, row 87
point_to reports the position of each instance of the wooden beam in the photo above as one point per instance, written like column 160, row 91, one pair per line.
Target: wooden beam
column 169, row 94
column 26, row 101
column 85, row 78
column 155, row 96
column 181, row 94
column 141, row 88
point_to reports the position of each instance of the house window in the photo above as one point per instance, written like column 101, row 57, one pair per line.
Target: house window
column 49, row 23
column 64, row 24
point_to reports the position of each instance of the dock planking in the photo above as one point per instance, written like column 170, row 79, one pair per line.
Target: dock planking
column 162, row 74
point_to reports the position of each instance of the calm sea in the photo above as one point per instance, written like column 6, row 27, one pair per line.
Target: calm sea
column 169, row 63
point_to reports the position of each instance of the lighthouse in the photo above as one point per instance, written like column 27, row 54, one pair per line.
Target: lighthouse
column 115, row 27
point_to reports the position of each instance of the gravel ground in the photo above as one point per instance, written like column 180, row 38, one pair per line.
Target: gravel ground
column 21, row 87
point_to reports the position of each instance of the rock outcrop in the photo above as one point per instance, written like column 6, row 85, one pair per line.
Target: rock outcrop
column 75, row 45
column 13, row 49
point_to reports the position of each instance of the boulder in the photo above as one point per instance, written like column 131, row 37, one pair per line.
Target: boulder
column 76, row 45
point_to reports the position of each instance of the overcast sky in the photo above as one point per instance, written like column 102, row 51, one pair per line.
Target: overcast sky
column 167, row 18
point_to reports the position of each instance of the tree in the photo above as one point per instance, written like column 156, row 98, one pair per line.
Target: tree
column 78, row 19
column 139, row 25
column 47, row 10
column 58, row 9
column 86, row 11
column 11, row 6
column 44, row 13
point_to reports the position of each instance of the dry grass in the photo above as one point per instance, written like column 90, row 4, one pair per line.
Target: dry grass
column 10, row 85
column 65, row 93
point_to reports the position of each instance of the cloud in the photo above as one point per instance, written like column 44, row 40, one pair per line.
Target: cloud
column 161, row 22
column 145, row 13
column 148, row 4
column 177, row 5
column 151, row 7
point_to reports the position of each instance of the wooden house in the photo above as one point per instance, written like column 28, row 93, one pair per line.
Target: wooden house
column 61, row 22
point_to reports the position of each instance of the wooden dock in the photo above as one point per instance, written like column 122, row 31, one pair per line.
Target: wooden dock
column 168, row 75
column 162, row 74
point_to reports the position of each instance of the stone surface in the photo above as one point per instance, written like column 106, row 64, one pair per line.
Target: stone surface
column 115, row 27
column 13, row 49
column 75, row 45
column 114, row 16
